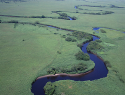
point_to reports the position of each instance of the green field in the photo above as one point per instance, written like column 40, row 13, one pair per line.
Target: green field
column 28, row 51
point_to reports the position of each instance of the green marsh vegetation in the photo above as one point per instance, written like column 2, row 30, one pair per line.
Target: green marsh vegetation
column 23, row 61
column 74, row 69
column 94, row 45
column 22, row 41
column 49, row 88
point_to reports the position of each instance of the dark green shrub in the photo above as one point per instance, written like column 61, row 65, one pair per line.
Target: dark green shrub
column 77, row 11
column 75, row 33
column 107, row 12
column 87, row 36
column 81, row 35
column 34, row 17
column 63, row 14
column 60, row 17
column 80, row 45
column 97, row 13
column 15, row 24
column 63, row 36
column 103, row 31
column 68, row 39
column 66, row 18
column 49, row 88
column 75, row 68
column 63, row 17
column 82, row 56
column 0, row 21
column 121, row 38
column 69, row 34
column 13, row 21
column 43, row 16
column 58, row 52
column 57, row 29
column 86, row 57
column 37, row 22
column 74, row 40
column 55, row 33
column 93, row 45
column 99, row 41
column 52, row 70
column 108, row 64
column 37, row 16
column 79, row 67
column 63, row 70
column 73, row 18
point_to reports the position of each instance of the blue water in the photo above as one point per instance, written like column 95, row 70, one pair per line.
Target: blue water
column 100, row 71
column 70, row 18
column 53, row 27
column 75, row 7
column 96, row 28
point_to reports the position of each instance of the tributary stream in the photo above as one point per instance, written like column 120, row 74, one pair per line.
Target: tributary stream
column 100, row 71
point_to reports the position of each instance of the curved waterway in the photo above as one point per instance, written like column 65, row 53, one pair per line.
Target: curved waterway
column 100, row 71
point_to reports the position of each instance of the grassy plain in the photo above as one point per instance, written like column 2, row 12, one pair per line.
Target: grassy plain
column 114, row 83
column 27, row 52
column 22, row 61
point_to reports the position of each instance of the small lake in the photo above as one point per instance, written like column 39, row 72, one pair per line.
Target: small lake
column 100, row 71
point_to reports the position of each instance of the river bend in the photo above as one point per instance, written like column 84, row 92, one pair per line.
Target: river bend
column 100, row 71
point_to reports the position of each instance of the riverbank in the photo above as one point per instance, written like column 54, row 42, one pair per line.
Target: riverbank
column 64, row 74
column 27, row 51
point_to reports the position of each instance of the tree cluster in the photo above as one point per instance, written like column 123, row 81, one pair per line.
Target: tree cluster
column 107, row 63
column 12, row 21
column 80, row 45
column 103, row 31
column 93, row 45
column 38, row 16
column 73, row 18
column 77, row 68
column 82, row 56
column 63, row 14
column 100, row 13
column 69, row 39
column 49, row 88
column 81, row 35
column 66, row 17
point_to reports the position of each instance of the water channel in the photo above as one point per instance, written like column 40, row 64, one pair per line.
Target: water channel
column 100, row 71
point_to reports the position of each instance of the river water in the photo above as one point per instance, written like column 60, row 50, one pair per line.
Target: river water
column 100, row 71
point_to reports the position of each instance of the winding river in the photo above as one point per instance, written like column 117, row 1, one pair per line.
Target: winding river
column 100, row 71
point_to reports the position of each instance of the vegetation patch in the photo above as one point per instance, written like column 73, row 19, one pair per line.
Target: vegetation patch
column 102, row 31
column 80, row 45
column 63, row 36
column 82, row 56
column 79, row 35
column 58, row 52
column 94, row 45
column 12, row 21
column 107, row 63
column 74, row 69
column 70, row 39
column 99, row 13
column 49, row 88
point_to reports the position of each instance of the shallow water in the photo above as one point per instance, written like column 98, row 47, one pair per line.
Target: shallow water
column 70, row 18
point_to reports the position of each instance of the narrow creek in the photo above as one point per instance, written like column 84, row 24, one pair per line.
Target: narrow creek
column 100, row 71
